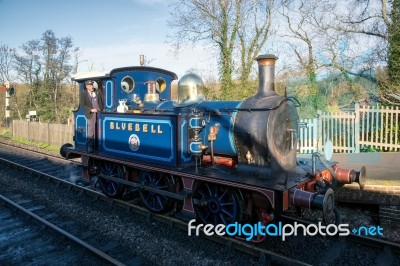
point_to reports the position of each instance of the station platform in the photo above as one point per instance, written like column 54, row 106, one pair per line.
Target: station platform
column 383, row 168
column 383, row 179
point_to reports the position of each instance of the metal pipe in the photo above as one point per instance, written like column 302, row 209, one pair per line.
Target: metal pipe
column 212, row 152
column 314, row 157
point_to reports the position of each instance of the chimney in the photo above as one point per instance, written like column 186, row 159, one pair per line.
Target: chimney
column 266, row 75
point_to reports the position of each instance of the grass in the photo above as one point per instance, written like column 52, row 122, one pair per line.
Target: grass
column 39, row 145
column 4, row 132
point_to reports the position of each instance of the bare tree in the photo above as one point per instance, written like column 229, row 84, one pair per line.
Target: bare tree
column 376, row 21
column 215, row 21
column 343, row 39
column 44, row 66
column 239, row 26
column 303, row 34
column 77, row 53
column 7, row 72
column 29, row 68
column 6, row 59
column 254, row 29
column 62, row 70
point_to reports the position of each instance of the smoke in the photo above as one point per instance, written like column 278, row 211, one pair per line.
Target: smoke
column 74, row 175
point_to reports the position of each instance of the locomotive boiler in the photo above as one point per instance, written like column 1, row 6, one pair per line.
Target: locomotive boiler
column 215, row 161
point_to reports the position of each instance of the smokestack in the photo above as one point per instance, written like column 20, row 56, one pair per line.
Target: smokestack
column 266, row 75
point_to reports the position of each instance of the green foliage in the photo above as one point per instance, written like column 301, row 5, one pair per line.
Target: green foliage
column 330, row 93
column 6, row 133
column 237, row 91
column 308, row 94
column 394, row 46
column 210, row 92
column 369, row 148
column 246, row 89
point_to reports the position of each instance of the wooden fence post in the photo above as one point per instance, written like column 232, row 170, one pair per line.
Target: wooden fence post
column 357, row 127
column 29, row 123
column 48, row 133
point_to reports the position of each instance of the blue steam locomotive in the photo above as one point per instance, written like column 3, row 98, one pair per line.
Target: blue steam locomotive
column 215, row 161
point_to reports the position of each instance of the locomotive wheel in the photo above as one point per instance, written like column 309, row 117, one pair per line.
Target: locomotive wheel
column 110, row 188
column 155, row 202
column 219, row 204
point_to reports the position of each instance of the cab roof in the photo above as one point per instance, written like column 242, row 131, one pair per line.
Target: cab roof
column 90, row 75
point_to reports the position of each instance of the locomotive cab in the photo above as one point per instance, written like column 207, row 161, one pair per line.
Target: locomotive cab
column 141, row 85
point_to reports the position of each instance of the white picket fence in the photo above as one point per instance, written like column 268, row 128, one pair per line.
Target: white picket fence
column 350, row 131
column 379, row 127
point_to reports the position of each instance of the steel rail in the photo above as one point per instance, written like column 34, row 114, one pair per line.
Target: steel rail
column 64, row 233
column 263, row 254
column 364, row 240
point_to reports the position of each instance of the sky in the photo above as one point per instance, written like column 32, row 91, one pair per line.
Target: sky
column 110, row 33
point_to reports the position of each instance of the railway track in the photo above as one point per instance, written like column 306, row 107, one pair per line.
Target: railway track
column 45, row 169
column 41, row 163
column 28, row 164
column 380, row 252
column 25, row 240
